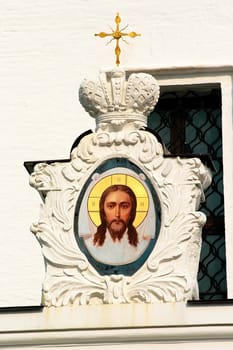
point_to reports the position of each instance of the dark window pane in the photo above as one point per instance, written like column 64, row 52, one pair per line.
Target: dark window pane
column 189, row 121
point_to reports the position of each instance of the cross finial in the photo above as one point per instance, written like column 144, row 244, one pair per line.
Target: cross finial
column 117, row 34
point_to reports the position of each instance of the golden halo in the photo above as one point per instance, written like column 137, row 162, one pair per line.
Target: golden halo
column 118, row 179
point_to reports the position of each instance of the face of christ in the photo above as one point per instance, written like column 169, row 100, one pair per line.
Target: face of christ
column 117, row 210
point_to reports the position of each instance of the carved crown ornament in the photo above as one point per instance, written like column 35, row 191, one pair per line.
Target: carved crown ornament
column 119, row 221
column 112, row 100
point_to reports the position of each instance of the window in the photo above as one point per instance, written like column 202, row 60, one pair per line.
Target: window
column 189, row 121
column 203, row 126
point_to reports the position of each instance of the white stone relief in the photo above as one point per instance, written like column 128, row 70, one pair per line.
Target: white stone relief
column 169, row 274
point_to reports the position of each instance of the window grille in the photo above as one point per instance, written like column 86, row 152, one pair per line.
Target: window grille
column 189, row 121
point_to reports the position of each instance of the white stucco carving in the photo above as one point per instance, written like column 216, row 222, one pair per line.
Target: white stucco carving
column 170, row 271
column 112, row 98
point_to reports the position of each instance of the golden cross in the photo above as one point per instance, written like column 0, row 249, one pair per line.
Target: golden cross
column 117, row 34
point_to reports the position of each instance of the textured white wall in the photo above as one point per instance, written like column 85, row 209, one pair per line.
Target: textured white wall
column 47, row 47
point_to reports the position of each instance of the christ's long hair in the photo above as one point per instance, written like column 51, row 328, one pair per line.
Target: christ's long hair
column 100, row 235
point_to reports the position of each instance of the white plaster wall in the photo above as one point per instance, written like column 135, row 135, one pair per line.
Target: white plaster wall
column 47, row 47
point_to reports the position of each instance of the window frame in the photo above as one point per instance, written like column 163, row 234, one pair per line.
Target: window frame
column 178, row 77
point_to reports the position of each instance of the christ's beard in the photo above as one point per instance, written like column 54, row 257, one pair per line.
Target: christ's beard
column 117, row 229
